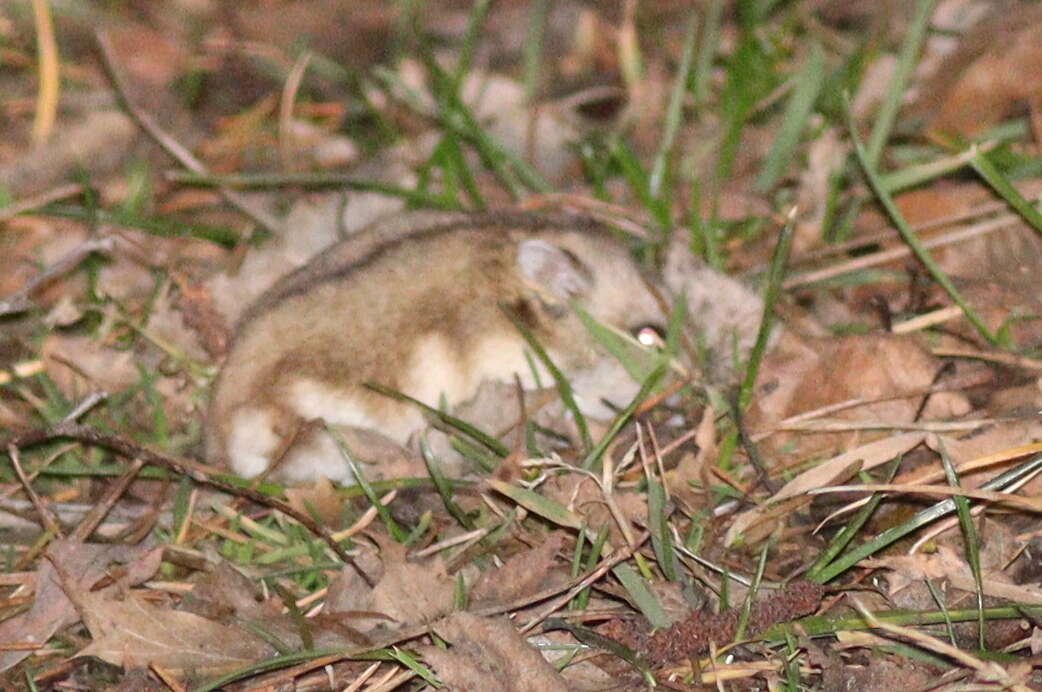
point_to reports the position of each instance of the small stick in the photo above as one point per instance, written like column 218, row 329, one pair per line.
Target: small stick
column 20, row 300
column 46, row 517
column 171, row 146
column 606, row 565
column 101, row 509
column 196, row 472
column 896, row 253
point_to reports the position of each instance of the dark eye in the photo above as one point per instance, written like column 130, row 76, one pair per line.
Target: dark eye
column 649, row 335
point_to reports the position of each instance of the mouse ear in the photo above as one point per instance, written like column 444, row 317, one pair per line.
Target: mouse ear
column 553, row 269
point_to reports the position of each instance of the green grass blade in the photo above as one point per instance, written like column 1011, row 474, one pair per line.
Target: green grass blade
column 658, row 526
column 775, row 277
column 932, row 513
column 916, row 175
column 641, row 595
column 593, row 639
column 511, row 169
column 911, row 238
column 443, row 486
column 898, row 83
column 397, row 532
column 842, row 539
column 475, row 23
column 413, row 664
column 538, row 12
column 539, row 504
column 969, row 534
column 162, row 226
column 450, row 156
column 1001, row 184
column 592, row 460
column 471, row 431
column 637, row 360
column 640, row 182
column 754, row 588
column 938, row 598
column 582, row 599
column 808, row 85
column 674, row 111
column 707, row 48
column 750, row 75
column 564, row 387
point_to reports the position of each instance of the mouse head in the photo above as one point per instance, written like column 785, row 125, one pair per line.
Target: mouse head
column 565, row 272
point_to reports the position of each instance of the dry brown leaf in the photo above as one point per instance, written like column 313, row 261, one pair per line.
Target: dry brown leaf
column 168, row 326
column 875, row 674
column 489, row 654
column 318, row 499
column 135, row 632
column 227, row 597
column 521, row 575
column 946, row 563
column 996, row 70
column 224, row 592
column 584, row 496
column 82, row 565
column 861, row 458
column 32, row 244
column 982, row 443
column 691, row 469
column 98, row 142
column 412, row 592
column 1010, row 304
column 884, row 374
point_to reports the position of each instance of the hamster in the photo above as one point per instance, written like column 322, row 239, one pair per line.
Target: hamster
column 418, row 304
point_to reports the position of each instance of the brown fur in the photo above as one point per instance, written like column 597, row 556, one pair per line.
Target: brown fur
column 435, row 281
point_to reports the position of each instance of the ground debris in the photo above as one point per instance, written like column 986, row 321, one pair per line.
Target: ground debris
column 693, row 636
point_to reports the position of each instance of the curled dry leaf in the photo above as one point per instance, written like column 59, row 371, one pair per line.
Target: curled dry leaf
column 887, row 374
column 489, row 654
column 826, row 473
column 1009, row 254
column 521, row 575
column 411, row 592
column 946, row 563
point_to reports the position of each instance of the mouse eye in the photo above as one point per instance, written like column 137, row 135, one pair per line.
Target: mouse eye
column 649, row 335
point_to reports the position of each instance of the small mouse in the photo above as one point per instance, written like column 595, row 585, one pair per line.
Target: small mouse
column 419, row 304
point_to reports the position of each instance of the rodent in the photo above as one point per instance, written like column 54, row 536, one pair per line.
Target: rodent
column 415, row 304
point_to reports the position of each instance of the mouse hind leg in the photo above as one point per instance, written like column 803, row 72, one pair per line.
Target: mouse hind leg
column 264, row 437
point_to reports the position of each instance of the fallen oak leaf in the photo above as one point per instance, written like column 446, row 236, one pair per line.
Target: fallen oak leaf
column 134, row 632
